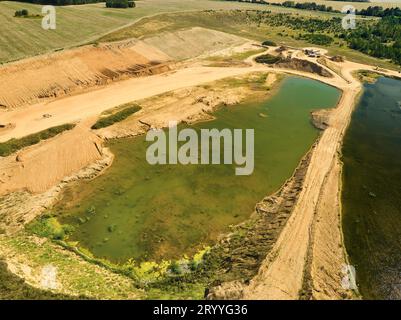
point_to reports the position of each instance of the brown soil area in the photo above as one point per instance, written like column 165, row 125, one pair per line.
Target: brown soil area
column 40, row 167
column 58, row 74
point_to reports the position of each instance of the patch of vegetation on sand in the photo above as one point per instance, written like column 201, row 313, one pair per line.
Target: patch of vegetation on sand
column 269, row 43
column 13, row 287
column 367, row 76
column 13, row 145
column 124, row 112
column 47, row 226
column 267, row 59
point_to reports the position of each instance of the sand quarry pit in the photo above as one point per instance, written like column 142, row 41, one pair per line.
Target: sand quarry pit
column 281, row 275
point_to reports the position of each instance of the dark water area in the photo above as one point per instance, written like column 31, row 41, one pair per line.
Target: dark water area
column 372, row 190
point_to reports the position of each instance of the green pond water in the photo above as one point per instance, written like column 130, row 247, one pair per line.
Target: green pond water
column 372, row 190
column 146, row 212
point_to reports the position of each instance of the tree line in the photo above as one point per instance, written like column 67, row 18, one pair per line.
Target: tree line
column 60, row 2
column 371, row 11
column 307, row 6
column 109, row 3
column 377, row 11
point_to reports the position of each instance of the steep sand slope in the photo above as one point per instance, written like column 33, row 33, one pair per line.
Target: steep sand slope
column 39, row 167
column 305, row 255
column 57, row 74
column 327, row 256
column 190, row 43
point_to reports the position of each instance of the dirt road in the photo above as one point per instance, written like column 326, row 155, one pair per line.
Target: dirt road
column 75, row 108
column 79, row 107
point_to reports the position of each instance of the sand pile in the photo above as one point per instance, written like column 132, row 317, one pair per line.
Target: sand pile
column 57, row 74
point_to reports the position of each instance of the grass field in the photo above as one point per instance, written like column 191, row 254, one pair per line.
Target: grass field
column 235, row 23
column 338, row 5
column 77, row 25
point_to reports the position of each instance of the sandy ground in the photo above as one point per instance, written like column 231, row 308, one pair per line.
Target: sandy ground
column 282, row 274
column 58, row 74
column 326, row 253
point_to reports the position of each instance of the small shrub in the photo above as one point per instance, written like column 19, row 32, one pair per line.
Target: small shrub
column 175, row 268
column 267, row 59
column 111, row 228
column 269, row 43
column 116, row 117
column 13, row 145
column 21, row 13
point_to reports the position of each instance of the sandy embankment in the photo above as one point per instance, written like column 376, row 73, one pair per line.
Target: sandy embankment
column 308, row 258
column 41, row 166
column 54, row 75
column 287, row 259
